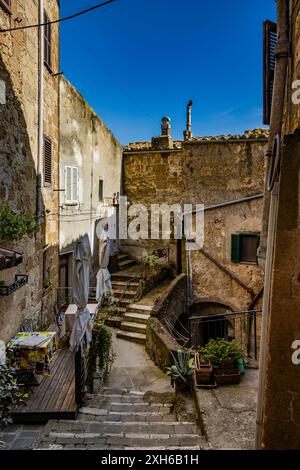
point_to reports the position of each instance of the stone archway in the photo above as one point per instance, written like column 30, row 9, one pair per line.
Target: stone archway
column 207, row 320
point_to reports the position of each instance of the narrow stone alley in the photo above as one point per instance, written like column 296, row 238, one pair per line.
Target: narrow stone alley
column 135, row 410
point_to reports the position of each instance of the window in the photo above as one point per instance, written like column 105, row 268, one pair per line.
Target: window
column 270, row 40
column 6, row 5
column 244, row 248
column 47, row 42
column 71, row 185
column 100, row 190
column 47, row 160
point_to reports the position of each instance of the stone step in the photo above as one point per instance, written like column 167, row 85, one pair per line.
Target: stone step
column 129, row 439
column 141, row 308
column 136, row 317
column 131, row 336
column 135, row 327
column 122, row 256
column 121, row 407
column 126, row 263
column 125, row 277
column 122, row 310
column 123, row 301
column 114, row 321
column 119, row 292
column 124, row 283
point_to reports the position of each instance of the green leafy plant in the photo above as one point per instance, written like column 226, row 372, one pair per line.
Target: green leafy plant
column 10, row 394
column 220, row 352
column 14, row 225
column 183, row 367
column 151, row 262
column 103, row 356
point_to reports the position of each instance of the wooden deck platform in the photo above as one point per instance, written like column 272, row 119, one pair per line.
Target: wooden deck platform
column 54, row 398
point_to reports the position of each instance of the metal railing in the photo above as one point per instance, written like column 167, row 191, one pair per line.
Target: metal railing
column 238, row 326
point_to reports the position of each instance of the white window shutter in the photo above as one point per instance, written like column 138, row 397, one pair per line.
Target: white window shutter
column 75, row 184
column 68, row 184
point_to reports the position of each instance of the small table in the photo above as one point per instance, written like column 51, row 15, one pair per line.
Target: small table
column 32, row 353
column 69, row 317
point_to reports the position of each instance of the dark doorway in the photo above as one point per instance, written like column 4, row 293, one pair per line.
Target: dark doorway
column 207, row 321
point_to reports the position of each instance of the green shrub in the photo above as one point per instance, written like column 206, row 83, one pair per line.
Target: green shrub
column 14, row 225
column 10, row 394
column 151, row 262
column 220, row 352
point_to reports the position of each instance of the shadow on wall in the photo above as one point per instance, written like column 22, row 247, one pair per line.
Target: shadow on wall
column 18, row 190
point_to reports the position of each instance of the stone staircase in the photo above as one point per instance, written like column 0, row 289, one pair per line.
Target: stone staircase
column 134, row 323
column 124, row 261
column 122, row 419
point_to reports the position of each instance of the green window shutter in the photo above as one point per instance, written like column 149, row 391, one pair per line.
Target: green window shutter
column 235, row 248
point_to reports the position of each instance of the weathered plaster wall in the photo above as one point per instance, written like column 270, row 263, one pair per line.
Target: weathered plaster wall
column 18, row 161
column 86, row 143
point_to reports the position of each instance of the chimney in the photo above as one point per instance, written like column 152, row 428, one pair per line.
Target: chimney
column 188, row 132
column 164, row 141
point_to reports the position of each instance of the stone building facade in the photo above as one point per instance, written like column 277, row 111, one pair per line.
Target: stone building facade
column 280, row 380
column 90, row 177
column 226, row 174
column 31, row 306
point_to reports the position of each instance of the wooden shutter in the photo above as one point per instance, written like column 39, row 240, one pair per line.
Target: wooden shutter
column 75, row 184
column 68, row 184
column 47, row 160
column 235, row 248
column 71, row 185
column 47, row 41
column 270, row 40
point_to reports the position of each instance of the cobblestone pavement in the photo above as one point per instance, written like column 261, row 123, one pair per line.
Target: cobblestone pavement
column 19, row 436
column 229, row 413
column 134, row 411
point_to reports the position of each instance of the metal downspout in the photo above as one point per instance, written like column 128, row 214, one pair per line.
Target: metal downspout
column 40, row 115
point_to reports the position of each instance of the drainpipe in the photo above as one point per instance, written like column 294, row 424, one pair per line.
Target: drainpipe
column 271, row 197
column 40, row 115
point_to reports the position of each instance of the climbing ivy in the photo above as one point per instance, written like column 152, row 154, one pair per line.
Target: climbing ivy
column 15, row 225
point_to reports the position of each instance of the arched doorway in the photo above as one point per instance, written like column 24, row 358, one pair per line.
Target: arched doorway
column 207, row 321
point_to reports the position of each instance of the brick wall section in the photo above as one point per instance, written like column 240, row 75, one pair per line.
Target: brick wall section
column 18, row 159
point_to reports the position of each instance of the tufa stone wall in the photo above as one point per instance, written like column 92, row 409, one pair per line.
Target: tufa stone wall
column 206, row 171
column 18, row 160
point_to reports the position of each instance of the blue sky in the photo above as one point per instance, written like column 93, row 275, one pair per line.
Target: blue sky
column 137, row 60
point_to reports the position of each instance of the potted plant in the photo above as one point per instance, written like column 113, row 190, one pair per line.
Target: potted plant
column 182, row 370
column 222, row 354
column 203, row 371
